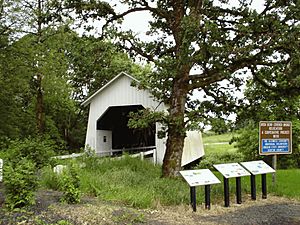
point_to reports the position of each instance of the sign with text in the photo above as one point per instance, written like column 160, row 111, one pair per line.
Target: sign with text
column 230, row 170
column 275, row 137
column 199, row 177
column 258, row 167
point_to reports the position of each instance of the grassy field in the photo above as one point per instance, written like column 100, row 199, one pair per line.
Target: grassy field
column 218, row 143
column 209, row 138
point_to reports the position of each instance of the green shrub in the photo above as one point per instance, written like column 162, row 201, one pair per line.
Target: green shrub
column 49, row 179
column 217, row 158
column 70, row 183
column 39, row 150
column 247, row 141
column 20, row 182
column 248, row 144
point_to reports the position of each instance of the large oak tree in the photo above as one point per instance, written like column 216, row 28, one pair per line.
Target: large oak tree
column 218, row 40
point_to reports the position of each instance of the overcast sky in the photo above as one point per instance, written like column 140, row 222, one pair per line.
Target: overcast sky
column 138, row 21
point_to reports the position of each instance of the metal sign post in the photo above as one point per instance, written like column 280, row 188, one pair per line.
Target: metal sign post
column 256, row 168
column 203, row 177
column 275, row 137
column 238, row 190
column 253, row 187
column 193, row 198
column 232, row 170
column 207, row 196
column 226, row 192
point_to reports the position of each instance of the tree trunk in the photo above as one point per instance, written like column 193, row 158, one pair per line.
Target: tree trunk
column 176, row 132
column 40, row 114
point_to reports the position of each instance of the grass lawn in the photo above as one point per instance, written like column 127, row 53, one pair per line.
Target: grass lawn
column 219, row 148
column 287, row 183
column 218, row 143
column 208, row 138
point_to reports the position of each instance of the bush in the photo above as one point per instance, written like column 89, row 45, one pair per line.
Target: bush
column 20, row 182
column 247, row 142
column 248, row 145
column 39, row 150
column 70, row 183
column 49, row 179
column 209, row 160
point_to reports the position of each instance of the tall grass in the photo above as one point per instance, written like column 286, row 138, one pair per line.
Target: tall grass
column 139, row 184
column 134, row 182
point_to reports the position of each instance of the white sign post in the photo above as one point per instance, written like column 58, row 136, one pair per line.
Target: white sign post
column 232, row 170
column 256, row 168
column 1, row 169
column 199, row 178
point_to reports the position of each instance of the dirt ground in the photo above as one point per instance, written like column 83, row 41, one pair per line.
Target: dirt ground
column 48, row 210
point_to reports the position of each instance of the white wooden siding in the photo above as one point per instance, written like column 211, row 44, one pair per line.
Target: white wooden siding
column 119, row 93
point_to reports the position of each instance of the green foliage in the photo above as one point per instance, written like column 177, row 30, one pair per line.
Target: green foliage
column 219, row 125
column 287, row 183
column 49, row 179
column 20, row 182
column 38, row 150
column 208, row 160
column 247, row 143
column 131, row 181
column 70, row 183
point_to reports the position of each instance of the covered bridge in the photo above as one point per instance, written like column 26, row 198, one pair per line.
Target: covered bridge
column 107, row 129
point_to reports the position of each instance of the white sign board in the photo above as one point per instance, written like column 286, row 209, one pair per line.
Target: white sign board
column 193, row 147
column 1, row 169
column 258, row 167
column 230, row 170
column 199, row 177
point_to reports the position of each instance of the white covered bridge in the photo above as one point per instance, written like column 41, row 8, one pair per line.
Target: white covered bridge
column 107, row 129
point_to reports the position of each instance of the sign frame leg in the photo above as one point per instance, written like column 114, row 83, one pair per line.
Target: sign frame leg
column 253, row 187
column 207, row 196
column 226, row 192
column 238, row 190
column 264, row 186
column 193, row 198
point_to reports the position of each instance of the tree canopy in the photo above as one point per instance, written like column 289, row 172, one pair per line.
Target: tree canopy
column 47, row 69
column 210, row 46
column 219, row 40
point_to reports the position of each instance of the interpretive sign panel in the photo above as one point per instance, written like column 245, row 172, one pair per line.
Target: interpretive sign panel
column 275, row 137
column 230, row 170
column 258, row 167
column 199, row 177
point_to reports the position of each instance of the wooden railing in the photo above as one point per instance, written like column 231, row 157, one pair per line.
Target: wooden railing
column 142, row 153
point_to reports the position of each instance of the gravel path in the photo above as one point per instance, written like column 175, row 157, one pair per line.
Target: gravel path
column 271, row 211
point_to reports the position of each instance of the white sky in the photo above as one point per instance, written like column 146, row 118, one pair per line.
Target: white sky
column 138, row 22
